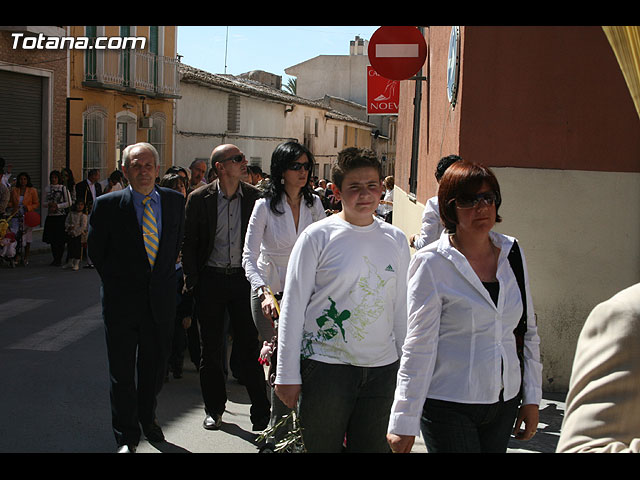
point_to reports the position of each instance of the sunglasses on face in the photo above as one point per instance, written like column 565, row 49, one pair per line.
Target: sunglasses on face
column 235, row 159
column 297, row 166
column 489, row 198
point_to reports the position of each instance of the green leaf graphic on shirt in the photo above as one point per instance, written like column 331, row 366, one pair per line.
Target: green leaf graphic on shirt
column 369, row 293
column 332, row 321
column 371, row 307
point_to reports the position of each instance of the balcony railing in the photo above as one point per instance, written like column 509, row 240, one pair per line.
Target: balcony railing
column 137, row 72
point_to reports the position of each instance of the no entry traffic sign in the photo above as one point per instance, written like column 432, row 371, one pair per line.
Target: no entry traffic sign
column 397, row 53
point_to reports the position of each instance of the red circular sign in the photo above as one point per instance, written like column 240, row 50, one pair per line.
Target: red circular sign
column 397, row 53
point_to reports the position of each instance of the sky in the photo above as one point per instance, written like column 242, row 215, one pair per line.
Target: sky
column 268, row 48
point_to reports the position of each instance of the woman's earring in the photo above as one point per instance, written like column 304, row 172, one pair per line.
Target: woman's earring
column 282, row 181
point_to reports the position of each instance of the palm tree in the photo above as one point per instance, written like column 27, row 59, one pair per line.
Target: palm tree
column 291, row 86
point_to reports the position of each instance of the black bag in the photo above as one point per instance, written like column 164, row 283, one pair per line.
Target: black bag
column 515, row 260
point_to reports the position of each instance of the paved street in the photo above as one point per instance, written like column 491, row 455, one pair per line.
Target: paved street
column 55, row 394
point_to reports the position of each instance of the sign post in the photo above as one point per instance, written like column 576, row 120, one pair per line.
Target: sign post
column 398, row 53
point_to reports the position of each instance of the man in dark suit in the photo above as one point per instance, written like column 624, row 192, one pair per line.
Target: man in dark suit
column 216, row 222
column 88, row 190
column 135, row 237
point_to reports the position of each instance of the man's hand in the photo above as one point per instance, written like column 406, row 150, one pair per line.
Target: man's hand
column 528, row 414
column 289, row 394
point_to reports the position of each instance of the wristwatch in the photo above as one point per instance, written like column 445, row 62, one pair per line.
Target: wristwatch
column 262, row 292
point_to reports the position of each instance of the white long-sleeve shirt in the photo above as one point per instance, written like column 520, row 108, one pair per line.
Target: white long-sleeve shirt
column 345, row 298
column 458, row 341
column 270, row 238
column 431, row 227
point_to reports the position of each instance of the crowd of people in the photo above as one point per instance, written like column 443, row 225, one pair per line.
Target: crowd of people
column 310, row 280
column 65, row 205
column 365, row 345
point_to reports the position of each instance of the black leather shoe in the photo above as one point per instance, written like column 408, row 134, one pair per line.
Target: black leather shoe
column 153, row 432
column 126, row 449
column 260, row 424
column 212, row 422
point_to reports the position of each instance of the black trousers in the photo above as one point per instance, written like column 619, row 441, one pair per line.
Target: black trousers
column 137, row 352
column 215, row 293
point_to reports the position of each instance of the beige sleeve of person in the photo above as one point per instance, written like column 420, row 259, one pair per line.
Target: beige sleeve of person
column 603, row 404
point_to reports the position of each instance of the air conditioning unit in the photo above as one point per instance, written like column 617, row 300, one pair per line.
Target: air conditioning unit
column 146, row 122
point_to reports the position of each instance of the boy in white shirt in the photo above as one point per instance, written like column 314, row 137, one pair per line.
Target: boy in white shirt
column 344, row 316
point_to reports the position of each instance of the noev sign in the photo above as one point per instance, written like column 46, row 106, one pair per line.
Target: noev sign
column 383, row 95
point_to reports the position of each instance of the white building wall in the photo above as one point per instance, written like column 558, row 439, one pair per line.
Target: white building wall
column 201, row 125
column 343, row 76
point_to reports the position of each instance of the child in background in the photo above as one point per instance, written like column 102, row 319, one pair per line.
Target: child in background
column 7, row 244
column 76, row 226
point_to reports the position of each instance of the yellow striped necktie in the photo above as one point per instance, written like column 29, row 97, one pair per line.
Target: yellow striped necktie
column 149, row 231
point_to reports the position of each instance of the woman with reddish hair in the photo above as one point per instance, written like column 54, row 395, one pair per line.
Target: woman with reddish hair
column 460, row 376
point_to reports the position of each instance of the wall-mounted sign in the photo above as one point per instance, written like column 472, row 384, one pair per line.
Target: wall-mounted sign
column 383, row 94
column 453, row 65
column 397, row 53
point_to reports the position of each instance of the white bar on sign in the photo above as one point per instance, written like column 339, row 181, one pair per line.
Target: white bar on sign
column 386, row 50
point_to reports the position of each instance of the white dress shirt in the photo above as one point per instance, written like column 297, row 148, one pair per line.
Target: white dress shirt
column 431, row 227
column 270, row 238
column 460, row 345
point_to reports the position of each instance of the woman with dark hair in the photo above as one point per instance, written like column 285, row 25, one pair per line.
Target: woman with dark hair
column 175, row 182
column 67, row 179
column 24, row 199
column 57, row 201
column 288, row 206
column 460, row 379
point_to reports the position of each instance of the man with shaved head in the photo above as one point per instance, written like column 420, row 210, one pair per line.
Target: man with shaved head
column 216, row 222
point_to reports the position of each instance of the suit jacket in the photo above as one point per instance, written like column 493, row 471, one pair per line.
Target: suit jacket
column 84, row 193
column 129, row 286
column 603, row 404
column 200, row 226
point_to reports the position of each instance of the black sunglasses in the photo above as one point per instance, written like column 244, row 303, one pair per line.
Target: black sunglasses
column 489, row 198
column 235, row 158
column 298, row 166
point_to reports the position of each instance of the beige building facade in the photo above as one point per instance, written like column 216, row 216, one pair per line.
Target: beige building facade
column 119, row 97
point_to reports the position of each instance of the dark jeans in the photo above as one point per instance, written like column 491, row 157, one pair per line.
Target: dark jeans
column 215, row 293
column 344, row 399
column 468, row 428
